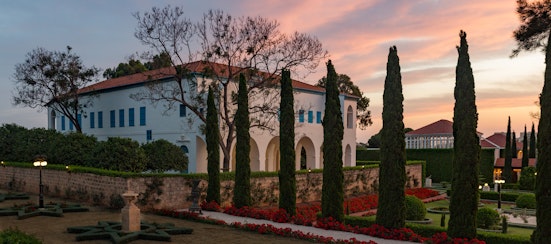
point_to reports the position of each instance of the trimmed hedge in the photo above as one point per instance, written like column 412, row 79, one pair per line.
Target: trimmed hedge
column 430, row 230
column 527, row 200
column 438, row 161
column 505, row 196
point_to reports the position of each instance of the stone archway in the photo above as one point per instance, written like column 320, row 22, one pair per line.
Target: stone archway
column 308, row 146
column 201, row 156
column 253, row 156
column 348, row 156
column 272, row 155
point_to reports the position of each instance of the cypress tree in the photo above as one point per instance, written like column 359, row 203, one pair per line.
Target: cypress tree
column 287, row 184
column 524, row 149
column 514, row 149
column 242, row 190
column 464, row 198
column 213, row 149
column 391, row 212
column 333, row 177
column 543, row 165
column 507, row 174
column 533, row 148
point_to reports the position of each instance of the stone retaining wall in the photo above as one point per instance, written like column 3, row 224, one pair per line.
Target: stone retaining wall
column 173, row 192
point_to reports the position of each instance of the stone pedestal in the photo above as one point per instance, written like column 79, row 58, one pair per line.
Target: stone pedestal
column 428, row 182
column 130, row 213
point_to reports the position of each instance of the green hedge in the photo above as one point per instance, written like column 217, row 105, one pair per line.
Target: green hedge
column 430, row 230
column 11, row 235
column 505, row 196
column 438, row 161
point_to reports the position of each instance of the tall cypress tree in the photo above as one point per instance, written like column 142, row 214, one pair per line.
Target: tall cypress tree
column 514, row 149
column 242, row 190
column 507, row 174
column 533, row 148
column 466, row 160
column 392, row 171
column 213, row 149
column 524, row 149
column 333, row 130
column 287, row 182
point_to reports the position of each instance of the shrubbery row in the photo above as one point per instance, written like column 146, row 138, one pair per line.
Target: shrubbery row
column 18, row 144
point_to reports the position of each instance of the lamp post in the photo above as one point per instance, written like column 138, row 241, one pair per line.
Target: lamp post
column 499, row 182
column 40, row 161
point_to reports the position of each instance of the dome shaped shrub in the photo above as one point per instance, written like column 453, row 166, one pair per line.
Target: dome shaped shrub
column 486, row 218
column 527, row 200
column 415, row 208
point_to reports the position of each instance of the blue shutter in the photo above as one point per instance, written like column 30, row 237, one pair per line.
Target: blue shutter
column 310, row 117
column 79, row 120
column 148, row 135
column 318, row 117
column 100, row 119
column 92, row 120
column 62, row 122
column 121, row 117
column 182, row 110
column 112, row 118
column 142, row 115
column 131, row 117
column 301, row 116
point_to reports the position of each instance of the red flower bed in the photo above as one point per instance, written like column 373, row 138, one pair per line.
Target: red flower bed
column 422, row 193
column 210, row 206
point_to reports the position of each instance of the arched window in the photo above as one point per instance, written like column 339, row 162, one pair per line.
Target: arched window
column 185, row 149
column 349, row 118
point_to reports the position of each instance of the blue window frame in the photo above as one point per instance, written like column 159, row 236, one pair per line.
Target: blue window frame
column 121, row 117
column 112, row 118
column 100, row 119
column 131, row 117
column 92, row 120
column 318, row 117
column 182, row 110
column 149, row 135
column 142, row 115
column 301, row 116
column 62, row 122
column 310, row 116
column 79, row 120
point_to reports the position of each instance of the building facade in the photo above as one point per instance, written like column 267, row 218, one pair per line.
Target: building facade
column 114, row 112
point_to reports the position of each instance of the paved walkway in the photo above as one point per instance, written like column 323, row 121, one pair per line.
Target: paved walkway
column 337, row 235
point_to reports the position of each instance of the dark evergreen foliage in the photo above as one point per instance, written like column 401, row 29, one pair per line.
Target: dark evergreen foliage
column 163, row 156
column 533, row 148
column 213, row 149
column 333, row 130
column 464, row 199
column 514, row 149
column 242, row 192
column 392, row 173
column 525, row 149
column 507, row 173
column 287, row 182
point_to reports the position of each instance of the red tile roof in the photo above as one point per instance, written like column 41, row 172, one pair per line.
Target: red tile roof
column 516, row 163
column 197, row 66
column 439, row 127
column 497, row 139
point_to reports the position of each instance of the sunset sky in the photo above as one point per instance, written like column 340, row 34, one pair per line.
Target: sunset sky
column 357, row 35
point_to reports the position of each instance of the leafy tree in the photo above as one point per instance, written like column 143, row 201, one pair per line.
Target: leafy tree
column 212, row 134
column 535, row 27
column 74, row 149
column 514, row 149
column 374, row 141
column 162, row 156
column 13, row 141
column 231, row 46
column 132, row 67
column 333, row 177
column 527, row 179
column 533, row 148
column 242, row 192
column 466, row 160
column 122, row 154
column 159, row 61
column 507, row 174
column 392, row 170
column 52, row 79
column 287, row 184
column 346, row 85
column 525, row 149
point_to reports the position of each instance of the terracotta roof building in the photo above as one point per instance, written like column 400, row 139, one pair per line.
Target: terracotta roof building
column 436, row 135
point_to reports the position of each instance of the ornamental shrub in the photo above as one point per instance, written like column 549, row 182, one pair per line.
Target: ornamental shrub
column 11, row 235
column 527, row 200
column 486, row 218
column 527, row 179
column 415, row 208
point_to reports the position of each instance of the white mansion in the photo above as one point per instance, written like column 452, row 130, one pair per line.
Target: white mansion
column 114, row 113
